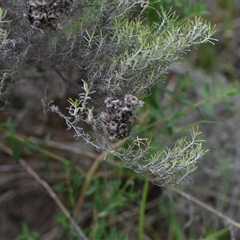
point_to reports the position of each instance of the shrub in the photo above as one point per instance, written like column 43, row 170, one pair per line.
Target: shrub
column 119, row 56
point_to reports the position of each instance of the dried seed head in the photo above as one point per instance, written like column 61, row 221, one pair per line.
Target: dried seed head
column 108, row 102
column 112, row 126
column 132, row 100
column 124, row 130
column 42, row 13
column 36, row 23
column 41, row 2
column 112, row 136
column 31, row 3
column 51, row 14
column 144, row 4
column 118, row 119
column 126, row 109
column 35, row 14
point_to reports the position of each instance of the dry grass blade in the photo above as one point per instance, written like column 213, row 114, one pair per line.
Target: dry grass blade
column 203, row 205
column 48, row 189
column 89, row 175
column 58, row 145
column 219, row 196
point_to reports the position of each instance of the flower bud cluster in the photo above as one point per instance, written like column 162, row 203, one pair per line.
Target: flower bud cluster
column 45, row 12
column 119, row 117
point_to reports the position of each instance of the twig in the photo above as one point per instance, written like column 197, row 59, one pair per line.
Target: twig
column 89, row 175
column 49, row 190
column 203, row 205
column 71, row 85
column 88, row 179
column 219, row 196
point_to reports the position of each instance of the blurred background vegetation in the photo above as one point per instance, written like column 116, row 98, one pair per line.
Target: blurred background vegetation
column 107, row 200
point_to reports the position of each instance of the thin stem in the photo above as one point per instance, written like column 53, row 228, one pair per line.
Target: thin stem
column 142, row 210
column 88, row 179
column 208, row 208
column 89, row 176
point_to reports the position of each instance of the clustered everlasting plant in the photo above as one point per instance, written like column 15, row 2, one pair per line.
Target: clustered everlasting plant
column 42, row 13
column 119, row 56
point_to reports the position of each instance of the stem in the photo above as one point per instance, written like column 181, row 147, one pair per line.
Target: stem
column 88, row 179
column 142, row 210
column 208, row 208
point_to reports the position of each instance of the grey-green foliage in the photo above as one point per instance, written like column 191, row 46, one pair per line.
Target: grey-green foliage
column 117, row 53
column 164, row 168
column 122, row 53
column 148, row 51
column 4, row 43
column 3, row 33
